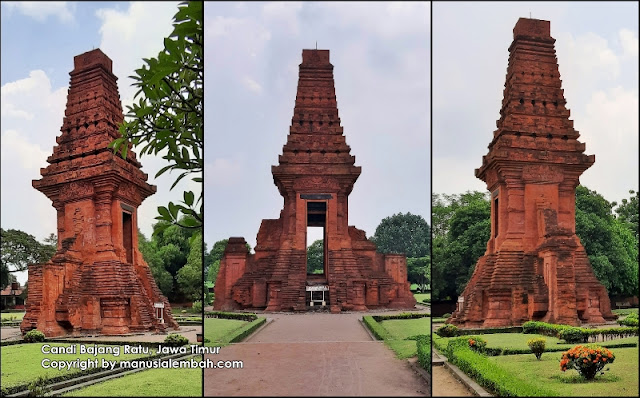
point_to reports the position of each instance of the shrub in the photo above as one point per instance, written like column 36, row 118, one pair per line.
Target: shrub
column 588, row 360
column 494, row 378
column 573, row 335
column 404, row 315
column 196, row 307
column 537, row 346
column 447, row 331
column 477, row 343
column 33, row 336
column 242, row 316
column 175, row 340
column 447, row 315
column 38, row 387
column 376, row 329
column 423, row 348
column 629, row 320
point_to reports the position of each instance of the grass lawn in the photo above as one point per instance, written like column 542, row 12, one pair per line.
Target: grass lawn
column 625, row 311
column 403, row 328
column 400, row 329
column 421, row 296
column 9, row 315
column 620, row 380
column 216, row 329
column 148, row 383
column 22, row 363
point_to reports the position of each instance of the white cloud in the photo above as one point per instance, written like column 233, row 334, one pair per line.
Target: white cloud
column 16, row 150
column 609, row 127
column 629, row 41
column 41, row 10
column 129, row 35
column 283, row 15
column 252, row 85
column 32, row 114
column 586, row 56
column 29, row 97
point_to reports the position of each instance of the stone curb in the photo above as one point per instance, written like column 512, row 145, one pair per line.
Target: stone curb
column 474, row 387
column 436, row 359
column 255, row 332
column 413, row 362
column 367, row 330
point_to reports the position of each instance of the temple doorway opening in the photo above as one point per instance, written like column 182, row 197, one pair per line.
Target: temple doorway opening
column 127, row 235
column 316, row 287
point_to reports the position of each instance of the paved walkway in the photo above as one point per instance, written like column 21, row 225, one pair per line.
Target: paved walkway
column 314, row 354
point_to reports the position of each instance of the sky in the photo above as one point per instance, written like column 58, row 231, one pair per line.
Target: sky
column 39, row 41
column 380, row 53
column 597, row 51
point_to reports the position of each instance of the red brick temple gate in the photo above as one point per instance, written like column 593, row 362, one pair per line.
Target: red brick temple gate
column 535, row 267
column 97, row 282
column 315, row 177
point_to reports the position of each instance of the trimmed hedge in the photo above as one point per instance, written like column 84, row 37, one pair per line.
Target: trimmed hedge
column 577, row 335
column 243, row 332
column 378, row 331
column 406, row 315
column 231, row 315
column 489, row 375
column 441, row 344
column 423, row 346
column 507, row 329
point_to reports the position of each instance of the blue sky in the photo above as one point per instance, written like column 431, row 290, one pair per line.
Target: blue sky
column 39, row 42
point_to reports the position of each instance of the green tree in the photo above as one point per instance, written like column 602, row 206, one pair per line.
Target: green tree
column 418, row 270
column 462, row 228
column 407, row 234
column 609, row 241
column 168, row 117
column 627, row 212
column 315, row 255
column 151, row 254
column 19, row 249
column 189, row 277
column 167, row 253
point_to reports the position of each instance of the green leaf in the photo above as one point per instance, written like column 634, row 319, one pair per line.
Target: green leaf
column 188, row 198
column 173, row 209
column 164, row 214
column 123, row 151
column 162, row 170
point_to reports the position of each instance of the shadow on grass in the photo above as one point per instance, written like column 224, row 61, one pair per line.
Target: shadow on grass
column 577, row 379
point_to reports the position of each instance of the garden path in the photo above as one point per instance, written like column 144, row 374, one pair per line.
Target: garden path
column 313, row 354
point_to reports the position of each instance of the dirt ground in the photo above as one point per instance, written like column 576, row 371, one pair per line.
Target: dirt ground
column 313, row 354
column 446, row 385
